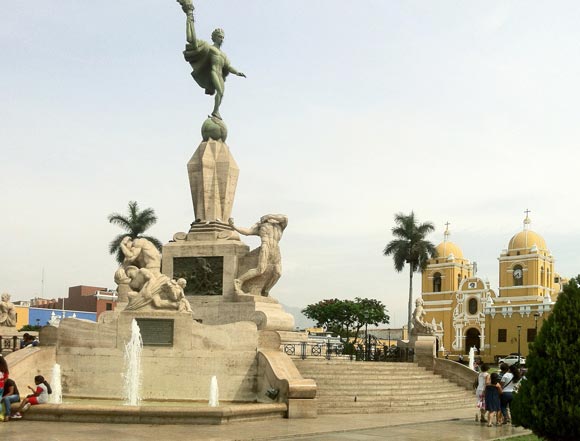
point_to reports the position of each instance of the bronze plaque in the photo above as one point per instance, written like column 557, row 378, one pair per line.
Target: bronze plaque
column 156, row 332
column 204, row 275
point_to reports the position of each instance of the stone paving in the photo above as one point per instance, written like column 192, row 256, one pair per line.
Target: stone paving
column 433, row 426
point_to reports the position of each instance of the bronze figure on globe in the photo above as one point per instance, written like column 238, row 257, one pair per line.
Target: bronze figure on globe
column 209, row 63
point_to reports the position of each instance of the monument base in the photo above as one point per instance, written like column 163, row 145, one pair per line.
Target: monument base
column 207, row 258
column 425, row 349
column 265, row 312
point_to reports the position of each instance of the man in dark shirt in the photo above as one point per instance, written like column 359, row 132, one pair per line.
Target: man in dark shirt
column 11, row 395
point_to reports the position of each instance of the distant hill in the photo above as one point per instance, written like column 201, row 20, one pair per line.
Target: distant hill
column 301, row 321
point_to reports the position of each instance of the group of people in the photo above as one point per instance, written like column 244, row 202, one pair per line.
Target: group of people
column 495, row 392
column 10, row 394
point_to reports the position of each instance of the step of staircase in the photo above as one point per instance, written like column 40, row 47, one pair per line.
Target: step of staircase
column 346, row 386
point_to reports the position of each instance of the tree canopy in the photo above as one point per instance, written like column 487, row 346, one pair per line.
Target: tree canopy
column 410, row 247
column 135, row 224
column 548, row 400
column 347, row 317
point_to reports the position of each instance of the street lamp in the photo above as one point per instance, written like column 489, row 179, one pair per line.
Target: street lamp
column 519, row 353
column 367, row 349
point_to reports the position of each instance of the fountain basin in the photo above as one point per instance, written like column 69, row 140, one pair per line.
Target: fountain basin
column 163, row 413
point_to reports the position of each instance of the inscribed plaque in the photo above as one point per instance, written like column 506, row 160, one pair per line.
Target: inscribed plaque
column 156, row 332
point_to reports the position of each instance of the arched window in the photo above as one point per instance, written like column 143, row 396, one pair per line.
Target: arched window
column 437, row 282
column 518, row 275
column 542, row 277
column 458, row 280
column 472, row 306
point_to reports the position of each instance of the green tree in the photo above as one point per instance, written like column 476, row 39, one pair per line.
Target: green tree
column 135, row 224
column 347, row 317
column 410, row 247
column 548, row 400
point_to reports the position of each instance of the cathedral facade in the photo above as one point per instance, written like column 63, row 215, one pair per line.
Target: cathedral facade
column 467, row 313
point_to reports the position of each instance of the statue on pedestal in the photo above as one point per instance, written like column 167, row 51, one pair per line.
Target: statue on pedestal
column 420, row 326
column 7, row 312
column 209, row 63
column 269, row 269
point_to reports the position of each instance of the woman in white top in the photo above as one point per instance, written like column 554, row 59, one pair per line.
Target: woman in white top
column 508, row 382
column 483, row 379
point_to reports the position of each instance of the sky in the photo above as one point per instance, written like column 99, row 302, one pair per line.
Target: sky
column 464, row 112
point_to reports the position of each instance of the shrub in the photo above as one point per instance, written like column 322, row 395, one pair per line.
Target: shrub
column 548, row 401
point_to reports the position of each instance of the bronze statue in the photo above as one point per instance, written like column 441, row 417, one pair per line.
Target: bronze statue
column 210, row 65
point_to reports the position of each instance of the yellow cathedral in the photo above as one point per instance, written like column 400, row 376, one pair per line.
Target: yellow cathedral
column 467, row 313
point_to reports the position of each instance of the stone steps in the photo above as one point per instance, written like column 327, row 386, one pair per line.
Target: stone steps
column 380, row 387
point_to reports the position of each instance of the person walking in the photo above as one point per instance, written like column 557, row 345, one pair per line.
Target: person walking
column 483, row 379
column 509, row 381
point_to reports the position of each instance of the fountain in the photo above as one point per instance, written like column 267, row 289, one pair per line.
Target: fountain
column 233, row 329
column 213, row 392
column 472, row 358
column 132, row 374
column 56, row 385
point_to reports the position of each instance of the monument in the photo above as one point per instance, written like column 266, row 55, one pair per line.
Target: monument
column 226, row 282
column 202, row 306
column 422, row 337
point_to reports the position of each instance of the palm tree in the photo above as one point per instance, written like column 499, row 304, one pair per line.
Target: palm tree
column 410, row 247
column 135, row 224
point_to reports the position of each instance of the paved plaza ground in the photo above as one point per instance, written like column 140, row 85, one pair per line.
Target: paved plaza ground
column 432, row 426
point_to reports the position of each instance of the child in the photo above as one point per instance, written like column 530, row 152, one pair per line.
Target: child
column 492, row 403
column 38, row 395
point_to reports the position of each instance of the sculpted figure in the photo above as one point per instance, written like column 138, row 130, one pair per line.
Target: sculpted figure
column 147, row 287
column 141, row 253
column 7, row 311
column 269, row 269
column 420, row 326
column 210, row 65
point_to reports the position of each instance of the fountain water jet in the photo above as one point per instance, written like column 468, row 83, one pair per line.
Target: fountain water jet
column 56, row 385
column 133, row 366
column 213, row 392
column 472, row 358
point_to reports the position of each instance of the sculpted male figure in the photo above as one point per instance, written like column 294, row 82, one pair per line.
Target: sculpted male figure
column 7, row 311
column 270, row 229
column 419, row 324
column 142, row 254
column 210, row 65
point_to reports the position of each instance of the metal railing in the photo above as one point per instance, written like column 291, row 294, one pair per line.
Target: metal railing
column 9, row 344
column 359, row 352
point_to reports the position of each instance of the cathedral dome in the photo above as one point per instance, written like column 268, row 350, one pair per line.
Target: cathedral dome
column 446, row 248
column 527, row 239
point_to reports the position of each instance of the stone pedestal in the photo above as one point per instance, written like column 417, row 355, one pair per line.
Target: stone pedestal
column 208, row 262
column 213, row 177
column 265, row 312
column 425, row 349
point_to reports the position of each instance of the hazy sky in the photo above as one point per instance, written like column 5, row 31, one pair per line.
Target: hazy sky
column 465, row 112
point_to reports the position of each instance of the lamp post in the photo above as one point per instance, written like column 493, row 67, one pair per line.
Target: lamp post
column 367, row 349
column 519, row 353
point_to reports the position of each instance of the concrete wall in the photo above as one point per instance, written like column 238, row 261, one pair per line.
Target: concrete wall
column 91, row 356
column 27, row 363
column 455, row 372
